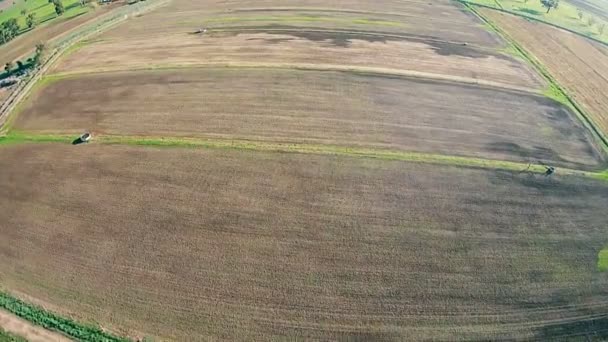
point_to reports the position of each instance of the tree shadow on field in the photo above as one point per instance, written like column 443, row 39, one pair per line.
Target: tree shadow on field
column 529, row 11
column 514, row 149
column 583, row 330
column 555, row 186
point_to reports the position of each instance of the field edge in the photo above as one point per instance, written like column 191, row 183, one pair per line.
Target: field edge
column 54, row 322
column 555, row 91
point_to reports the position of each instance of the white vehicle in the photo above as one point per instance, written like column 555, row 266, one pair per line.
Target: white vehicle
column 85, row 137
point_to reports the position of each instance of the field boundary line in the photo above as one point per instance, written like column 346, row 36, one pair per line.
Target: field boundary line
column 302, row 148
column 64, row 44
column 53, row 322
column 587, row 121
column 375, row 71
column 471, row 3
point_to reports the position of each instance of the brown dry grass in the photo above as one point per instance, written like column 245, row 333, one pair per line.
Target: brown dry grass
column 419, row 36
column 579, row 65
column 198, row 244
column 315, row 107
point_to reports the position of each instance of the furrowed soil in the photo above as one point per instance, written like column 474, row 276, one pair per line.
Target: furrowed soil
column 437, row 38
column 338, row 108
column 579, row 65
column 193, row 244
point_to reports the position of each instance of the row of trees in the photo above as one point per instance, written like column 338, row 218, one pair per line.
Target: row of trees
column 10, row 28
column 31, row 62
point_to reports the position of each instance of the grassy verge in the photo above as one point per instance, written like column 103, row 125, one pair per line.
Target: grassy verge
column 602, row 262
column 8, row 337
column 362, row 152
column 51, row 321
column 554, row 90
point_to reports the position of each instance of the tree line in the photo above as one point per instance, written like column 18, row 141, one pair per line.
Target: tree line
column 10, row 29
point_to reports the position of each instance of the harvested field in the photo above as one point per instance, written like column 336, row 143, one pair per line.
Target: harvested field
column 579, row 65
column 306, row 49
column 198, row 244
column 338, row 108
column 440, row 19
column 437, row 38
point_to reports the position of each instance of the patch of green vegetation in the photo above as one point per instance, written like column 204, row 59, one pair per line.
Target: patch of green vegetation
column 555, row 93
column 512, row 51
column 20, row 137
column 602, row 262
column 8, row 337
column 602, row 175
column 51, row 321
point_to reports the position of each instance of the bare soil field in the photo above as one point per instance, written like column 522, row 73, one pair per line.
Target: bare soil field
column 338, row 108
column 25, row 44
column 436, row 38
column 579, row 65
column 32, row 333
column 217, row 244
column 305, row 48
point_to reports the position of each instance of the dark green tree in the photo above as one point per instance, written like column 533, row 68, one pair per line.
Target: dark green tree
column 58, row 7
column 31, row 20
column 549, row 4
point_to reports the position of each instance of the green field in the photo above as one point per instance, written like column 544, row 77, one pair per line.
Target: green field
column 43, row 10
column 566, row 15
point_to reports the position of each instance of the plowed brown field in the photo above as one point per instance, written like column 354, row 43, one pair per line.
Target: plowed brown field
column 315, row 107
column 435, row 38
column 204, row 244
column 579, row 65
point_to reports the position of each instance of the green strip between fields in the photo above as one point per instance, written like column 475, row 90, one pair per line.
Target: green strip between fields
column 602, row 260
column 261, row 146
column 54, row 322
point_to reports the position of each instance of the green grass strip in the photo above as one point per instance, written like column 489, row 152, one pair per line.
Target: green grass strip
column 8, row 337
column 51, row 321
column 261, row 146
column 602, row 262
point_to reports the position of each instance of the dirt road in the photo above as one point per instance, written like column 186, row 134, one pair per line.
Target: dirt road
column 23, row 328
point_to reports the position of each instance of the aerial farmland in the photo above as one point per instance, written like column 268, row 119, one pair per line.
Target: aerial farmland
column 278, row 170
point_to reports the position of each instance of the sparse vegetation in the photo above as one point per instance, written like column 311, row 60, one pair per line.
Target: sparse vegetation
column 54, row 322
column 8, row 337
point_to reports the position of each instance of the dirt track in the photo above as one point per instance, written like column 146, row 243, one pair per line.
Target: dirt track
column 27, row 330
column 199, row 244
column 315, row 107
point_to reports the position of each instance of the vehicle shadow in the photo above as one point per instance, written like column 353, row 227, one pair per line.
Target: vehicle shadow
column 78, row 141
